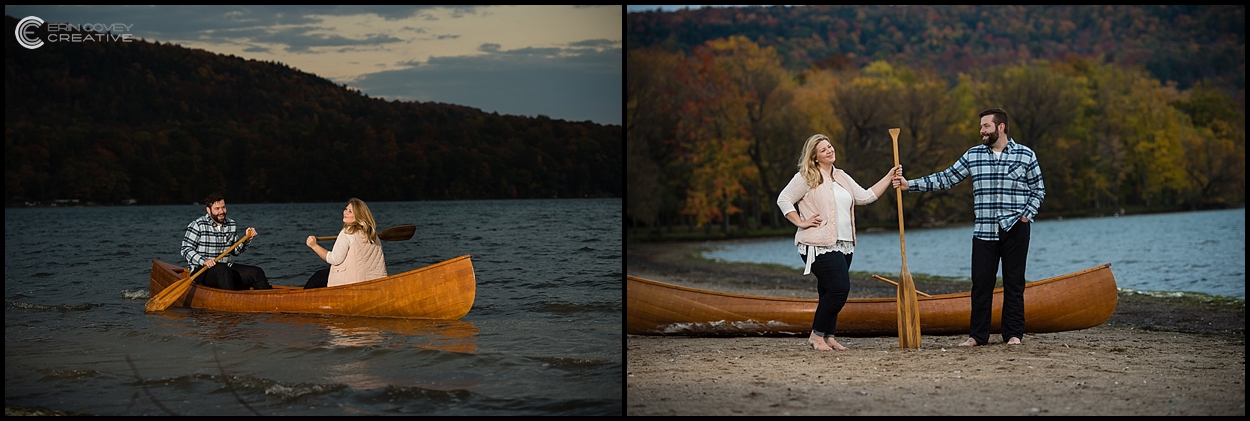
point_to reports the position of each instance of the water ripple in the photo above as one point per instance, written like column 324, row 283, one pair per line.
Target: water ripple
column 60, row 307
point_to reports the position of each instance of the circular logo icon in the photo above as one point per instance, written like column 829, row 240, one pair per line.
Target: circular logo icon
column 24, row 35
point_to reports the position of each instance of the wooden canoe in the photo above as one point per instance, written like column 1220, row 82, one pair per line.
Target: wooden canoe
column 1068, row 302
column 442, row 291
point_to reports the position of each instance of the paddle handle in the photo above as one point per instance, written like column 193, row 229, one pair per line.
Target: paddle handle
column 171, row 293
column 246, row 236
column 899, row 195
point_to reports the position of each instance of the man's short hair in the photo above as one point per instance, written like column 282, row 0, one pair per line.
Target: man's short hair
column 212, row 198
column 1000, row 117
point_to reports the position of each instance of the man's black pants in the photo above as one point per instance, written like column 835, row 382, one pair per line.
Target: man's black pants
column 1012, row 248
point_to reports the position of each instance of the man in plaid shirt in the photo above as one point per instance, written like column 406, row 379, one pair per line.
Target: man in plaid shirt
column 208, row 237
column 1007, row 191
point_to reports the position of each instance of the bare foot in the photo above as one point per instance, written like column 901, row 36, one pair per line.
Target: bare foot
column 1013, row 341
column 818, row 343
column 834, row 344
column 969, row 342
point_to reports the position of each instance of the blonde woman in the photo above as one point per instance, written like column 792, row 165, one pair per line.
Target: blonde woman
column 820, row 200
column 357, row 252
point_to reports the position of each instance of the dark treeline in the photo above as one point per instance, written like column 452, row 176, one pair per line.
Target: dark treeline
column 104, row 122
column 719, row 101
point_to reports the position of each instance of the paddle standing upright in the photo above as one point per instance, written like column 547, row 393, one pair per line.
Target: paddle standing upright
column 908, row 309
column 1007, row 192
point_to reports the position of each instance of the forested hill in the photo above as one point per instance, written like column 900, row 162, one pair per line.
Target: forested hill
column 104, row 122
column 1180, row 43
column 1137, row 107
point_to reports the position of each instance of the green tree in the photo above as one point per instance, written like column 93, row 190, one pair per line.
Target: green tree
column 650, row 92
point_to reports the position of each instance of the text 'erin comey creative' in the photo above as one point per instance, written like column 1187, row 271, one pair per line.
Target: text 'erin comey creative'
column 28, row 37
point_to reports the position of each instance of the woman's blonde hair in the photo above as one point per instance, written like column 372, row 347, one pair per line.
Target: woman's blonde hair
column 807, row 162
column 364, row 221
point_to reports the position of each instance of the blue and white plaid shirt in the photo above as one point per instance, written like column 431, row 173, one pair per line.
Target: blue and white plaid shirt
column 205, row 240
column 1003, row 188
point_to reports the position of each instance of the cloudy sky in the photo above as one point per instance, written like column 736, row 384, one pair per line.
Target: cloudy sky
column 670, row 8
column 564, row 62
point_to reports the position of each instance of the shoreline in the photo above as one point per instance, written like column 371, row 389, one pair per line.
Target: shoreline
column 1156, row 355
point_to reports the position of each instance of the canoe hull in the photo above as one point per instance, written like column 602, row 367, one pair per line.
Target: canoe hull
column 442, row 291
column 1068, row 302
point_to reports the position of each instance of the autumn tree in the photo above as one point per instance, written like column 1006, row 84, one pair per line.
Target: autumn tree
column 862, row 104
column 1153, row 133
column 936, row 122
column 773, row 125
column 1215, row 151
column 712, row 131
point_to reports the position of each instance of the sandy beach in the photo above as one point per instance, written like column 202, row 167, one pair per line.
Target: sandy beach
column 1155, row 356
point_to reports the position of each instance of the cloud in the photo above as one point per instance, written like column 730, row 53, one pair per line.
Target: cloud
column 297, row 25
column 570, row 84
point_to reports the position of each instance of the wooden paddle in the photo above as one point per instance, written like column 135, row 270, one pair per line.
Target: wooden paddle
column 173, row 292
column 399, row 233
column 908, row 309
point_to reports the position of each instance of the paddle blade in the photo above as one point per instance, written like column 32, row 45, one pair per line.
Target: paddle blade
column 908, row 312
column 167, row 296
column 399, row 233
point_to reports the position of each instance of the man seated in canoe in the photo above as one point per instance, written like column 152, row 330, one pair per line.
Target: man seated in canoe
column 357, row 252
column 208, row 237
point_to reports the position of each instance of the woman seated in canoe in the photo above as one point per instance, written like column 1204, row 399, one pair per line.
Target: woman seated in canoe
column 357, row 252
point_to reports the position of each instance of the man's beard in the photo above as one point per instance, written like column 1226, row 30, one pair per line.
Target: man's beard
column 989, row 139
column 220, row 219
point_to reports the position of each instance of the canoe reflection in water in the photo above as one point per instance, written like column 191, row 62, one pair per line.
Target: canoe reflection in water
column 439, row 335
column 321, row 354
column 328, row 331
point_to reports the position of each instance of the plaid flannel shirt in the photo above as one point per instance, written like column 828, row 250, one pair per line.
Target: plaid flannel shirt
column 205, row 240
column 1003, row 188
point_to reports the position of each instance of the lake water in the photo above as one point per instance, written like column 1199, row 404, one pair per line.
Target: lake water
column 543, row 337
column 1201, row 252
